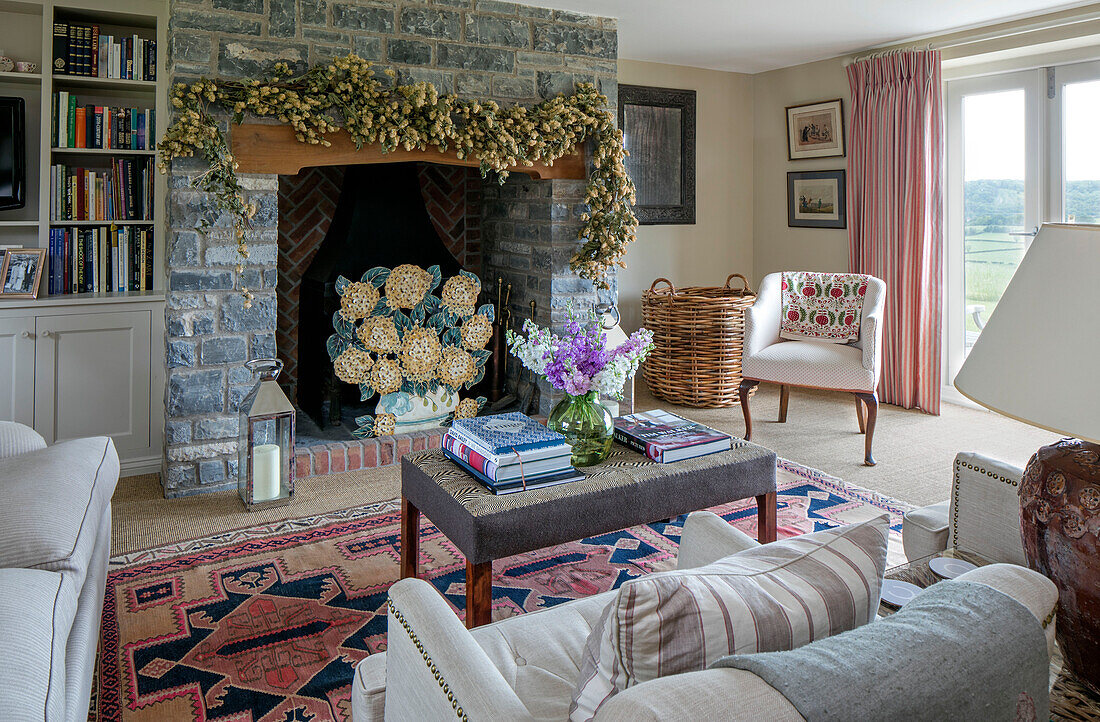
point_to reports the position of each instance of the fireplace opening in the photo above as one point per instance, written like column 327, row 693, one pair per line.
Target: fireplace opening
column 342, row 222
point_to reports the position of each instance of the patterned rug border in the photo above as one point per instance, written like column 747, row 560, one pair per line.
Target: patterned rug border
column 314, row 521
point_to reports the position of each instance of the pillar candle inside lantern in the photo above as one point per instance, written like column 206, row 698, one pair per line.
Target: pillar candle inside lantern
column 265, row 472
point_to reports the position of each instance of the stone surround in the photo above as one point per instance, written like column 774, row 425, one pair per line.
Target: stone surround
column 476, row 48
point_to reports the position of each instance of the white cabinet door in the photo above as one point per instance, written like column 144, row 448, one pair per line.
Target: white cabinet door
column 92, row 377
column 17, row 369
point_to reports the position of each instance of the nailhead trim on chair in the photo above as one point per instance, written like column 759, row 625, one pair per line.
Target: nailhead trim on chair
column 427, row 660
column 955, row 512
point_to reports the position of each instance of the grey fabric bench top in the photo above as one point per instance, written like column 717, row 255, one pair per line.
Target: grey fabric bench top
column 625, row 490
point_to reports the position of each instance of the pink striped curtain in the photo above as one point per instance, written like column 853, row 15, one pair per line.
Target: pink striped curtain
column 895, row 213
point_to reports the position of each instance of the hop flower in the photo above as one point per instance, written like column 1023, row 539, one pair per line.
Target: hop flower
column 460, row 294
column 466, row 409
column 476, row 332
column 457, row 367
column 385, row 424
column 379, row 334
column 420, row 354
column 386, row 376
column 353, row 366
column 358, row 300
column 406, row 286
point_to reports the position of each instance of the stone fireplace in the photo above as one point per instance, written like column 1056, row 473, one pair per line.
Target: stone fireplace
column 523, row 231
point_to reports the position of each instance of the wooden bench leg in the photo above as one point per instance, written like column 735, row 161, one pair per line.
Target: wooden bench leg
column 859, row 414
column 784, row 397
column 479, row 594
column 410, row 539
column 743, row 391
column 871, row 400
column 765, row 518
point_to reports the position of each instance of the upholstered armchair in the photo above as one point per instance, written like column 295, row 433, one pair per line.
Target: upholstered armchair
column 854, row 367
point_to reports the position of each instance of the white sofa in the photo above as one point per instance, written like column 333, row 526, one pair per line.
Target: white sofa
column 525, row 667
column 981, row 516
column 55, row 541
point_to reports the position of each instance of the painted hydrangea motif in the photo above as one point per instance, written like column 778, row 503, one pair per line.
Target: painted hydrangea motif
column 394, row 336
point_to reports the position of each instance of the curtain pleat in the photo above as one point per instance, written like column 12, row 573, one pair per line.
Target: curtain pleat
column 895, row 213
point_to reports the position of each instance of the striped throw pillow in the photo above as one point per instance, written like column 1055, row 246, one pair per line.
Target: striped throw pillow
column 768, row 599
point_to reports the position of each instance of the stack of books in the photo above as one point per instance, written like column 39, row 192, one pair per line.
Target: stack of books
column 510, row 452
column 666, row 437
column 80, row 49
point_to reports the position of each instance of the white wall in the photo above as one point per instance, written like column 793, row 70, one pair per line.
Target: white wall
column 721, row 240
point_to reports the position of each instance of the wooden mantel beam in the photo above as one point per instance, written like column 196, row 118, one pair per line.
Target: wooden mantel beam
column 261, row 148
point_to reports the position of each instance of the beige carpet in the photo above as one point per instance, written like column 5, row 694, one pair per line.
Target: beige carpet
column 914, row 453
column 914, row 450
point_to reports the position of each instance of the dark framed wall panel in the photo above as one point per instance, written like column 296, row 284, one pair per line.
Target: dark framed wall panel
column 659, row 130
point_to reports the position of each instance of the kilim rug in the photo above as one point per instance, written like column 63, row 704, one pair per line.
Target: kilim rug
column 267, row 623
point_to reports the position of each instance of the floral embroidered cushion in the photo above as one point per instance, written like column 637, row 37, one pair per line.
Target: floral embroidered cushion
column 822, row 306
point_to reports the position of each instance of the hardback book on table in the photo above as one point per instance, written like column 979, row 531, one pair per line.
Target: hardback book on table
column 504, row 438
column 666, row 437
column 511, row 486
column 511, row 468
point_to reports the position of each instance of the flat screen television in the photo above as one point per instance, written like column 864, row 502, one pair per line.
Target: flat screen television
column 13, row 153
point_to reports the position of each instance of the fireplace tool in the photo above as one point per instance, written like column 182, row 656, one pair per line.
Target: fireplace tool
column 527, row 385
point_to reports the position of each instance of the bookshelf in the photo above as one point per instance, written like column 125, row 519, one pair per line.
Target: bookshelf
column 26, row 33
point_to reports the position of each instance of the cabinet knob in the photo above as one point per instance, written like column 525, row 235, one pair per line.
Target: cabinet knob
column 44, row 334
column 26, row 334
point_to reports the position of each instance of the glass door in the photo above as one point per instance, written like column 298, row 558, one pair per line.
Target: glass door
column 993, row 167
column 1074, row 107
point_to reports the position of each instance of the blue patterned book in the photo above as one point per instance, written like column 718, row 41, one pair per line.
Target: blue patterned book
column 505, row 435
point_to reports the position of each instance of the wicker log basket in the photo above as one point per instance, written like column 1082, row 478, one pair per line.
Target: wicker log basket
column 699, row 334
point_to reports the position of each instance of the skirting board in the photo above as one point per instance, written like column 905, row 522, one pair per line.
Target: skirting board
column 140, row 465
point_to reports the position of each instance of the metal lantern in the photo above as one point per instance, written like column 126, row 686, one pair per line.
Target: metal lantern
column 265, row 472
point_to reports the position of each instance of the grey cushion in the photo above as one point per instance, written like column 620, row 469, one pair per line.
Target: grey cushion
column 36, row 622
column 53, row 500
column 18, row 439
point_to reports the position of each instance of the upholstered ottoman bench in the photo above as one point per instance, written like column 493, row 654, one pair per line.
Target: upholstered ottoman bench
column 625, row 490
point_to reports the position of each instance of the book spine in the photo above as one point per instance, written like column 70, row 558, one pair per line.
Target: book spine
column 98, row 127
column 152, row 60
column 60, row 48
column 637, row 444
column 71, row 122
column 81, row 127
column 128, row 54
column 72, row 64
column 93, row 55
column 471, row 457
column 147, row 260
column 101, row 59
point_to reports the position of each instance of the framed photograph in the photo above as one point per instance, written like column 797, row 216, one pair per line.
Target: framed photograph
column 21, row 271
column 658, row 127
column 816, row 199
column 815, row 130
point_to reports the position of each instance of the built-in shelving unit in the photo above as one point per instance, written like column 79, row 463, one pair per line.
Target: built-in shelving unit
column 26, row 34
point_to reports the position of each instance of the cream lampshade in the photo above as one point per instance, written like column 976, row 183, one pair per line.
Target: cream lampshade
column 1036, row 361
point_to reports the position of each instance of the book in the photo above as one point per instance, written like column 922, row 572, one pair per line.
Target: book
column 666, row 437
column 509, row 471
column 511, row 487
column 509, row 435
column 60, row 48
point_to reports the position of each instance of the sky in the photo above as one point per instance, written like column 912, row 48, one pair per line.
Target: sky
column 994, row 134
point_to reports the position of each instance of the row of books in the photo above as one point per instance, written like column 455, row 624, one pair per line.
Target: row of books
column 101, row 126
column 101, row 259
column 510, row 452
column 80, row 49
column 121, row 192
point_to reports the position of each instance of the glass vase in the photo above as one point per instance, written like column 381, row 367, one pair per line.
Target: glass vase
column 587, row 424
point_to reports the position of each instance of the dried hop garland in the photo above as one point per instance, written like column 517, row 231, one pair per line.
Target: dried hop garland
column 412, row 347
column 345, row 93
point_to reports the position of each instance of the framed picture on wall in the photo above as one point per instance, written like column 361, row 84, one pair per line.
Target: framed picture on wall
column 21, row 271
column 658, row 127
column 815, row 130
column 816, row 199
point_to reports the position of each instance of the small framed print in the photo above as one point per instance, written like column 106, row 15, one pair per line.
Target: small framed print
column 815, row 130
column 816, row 199
column 21, row 272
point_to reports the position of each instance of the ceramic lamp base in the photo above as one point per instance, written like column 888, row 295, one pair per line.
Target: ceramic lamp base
column 1060, row 523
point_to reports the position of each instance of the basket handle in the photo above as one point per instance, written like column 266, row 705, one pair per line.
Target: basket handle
column 744, row 283
column 653, row 287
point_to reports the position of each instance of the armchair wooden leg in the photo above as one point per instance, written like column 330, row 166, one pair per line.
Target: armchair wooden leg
column 747, row 385
column 784, row 397
column 872, row 414
column 859, row 414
